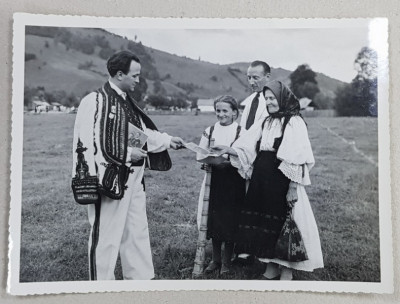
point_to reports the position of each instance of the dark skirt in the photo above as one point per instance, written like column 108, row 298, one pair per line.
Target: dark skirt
column 227, row 191
column 264, row 211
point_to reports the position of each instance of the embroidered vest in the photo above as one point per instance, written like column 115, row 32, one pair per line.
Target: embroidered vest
column 114, row 118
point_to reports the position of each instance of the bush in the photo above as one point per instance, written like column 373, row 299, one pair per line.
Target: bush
column 188, row 87
column 357, row 99
column 102, row 42
column 324, row 101
column 105, row 53
column 86, row 46
column 86, row 65
column 42, row 31
column 158, row 101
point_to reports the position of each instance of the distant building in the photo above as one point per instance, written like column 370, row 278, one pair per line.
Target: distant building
column 56, row 106
column 40, row 106
column 205, row 105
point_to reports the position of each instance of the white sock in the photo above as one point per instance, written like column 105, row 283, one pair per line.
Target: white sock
column 272, row 271
column 286, row 274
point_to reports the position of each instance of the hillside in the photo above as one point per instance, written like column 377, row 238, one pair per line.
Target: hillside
column 74, row 60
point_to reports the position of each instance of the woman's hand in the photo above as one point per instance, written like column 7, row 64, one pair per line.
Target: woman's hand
column 291, row 196
column 220, row 150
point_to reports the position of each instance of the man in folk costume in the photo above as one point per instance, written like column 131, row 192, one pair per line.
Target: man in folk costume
column 258, row 75
column 108, row 172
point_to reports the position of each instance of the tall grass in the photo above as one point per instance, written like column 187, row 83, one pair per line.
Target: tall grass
column 344, row 197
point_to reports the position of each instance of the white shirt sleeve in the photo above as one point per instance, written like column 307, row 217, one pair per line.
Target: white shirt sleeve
column 157, row 141
column 245, row 147
column 84, row 132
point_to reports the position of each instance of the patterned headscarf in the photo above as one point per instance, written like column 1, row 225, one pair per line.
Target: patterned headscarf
column 288, row 103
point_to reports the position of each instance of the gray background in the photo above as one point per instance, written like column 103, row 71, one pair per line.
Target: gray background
column 204, row 8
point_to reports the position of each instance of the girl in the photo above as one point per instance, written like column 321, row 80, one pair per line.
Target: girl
column 227, row 188
column 276, row 155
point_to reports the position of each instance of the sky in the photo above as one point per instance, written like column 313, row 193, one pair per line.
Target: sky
column 331, row 51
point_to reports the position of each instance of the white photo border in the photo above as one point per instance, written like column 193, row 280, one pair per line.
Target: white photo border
column 378, row 40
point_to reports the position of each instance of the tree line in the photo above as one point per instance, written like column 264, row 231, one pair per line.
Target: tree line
column 359, row 98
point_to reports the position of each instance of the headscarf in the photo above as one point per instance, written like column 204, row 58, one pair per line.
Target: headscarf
column 288, row 103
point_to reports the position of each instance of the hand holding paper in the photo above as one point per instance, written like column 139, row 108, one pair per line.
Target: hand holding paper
column 221, row 150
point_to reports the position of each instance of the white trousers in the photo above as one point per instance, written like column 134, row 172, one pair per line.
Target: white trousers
column 121, row 226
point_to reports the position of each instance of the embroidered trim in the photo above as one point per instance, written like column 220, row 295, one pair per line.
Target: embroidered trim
column 292, row 171
column 264, row 215
column 113, row 127
column 84, row 186
column 258, row 228
column 95, row 241
column 94, row 124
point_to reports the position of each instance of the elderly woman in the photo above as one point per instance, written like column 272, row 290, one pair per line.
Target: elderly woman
column 275, row 154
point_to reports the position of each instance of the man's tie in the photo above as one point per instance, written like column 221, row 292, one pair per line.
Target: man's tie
column 252, row 112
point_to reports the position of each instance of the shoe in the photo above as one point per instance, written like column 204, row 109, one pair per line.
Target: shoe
column 244, row 261
column 263, row 277
column 213, row 266
column 225, row 268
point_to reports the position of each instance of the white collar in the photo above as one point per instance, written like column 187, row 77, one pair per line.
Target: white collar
column 117, row 89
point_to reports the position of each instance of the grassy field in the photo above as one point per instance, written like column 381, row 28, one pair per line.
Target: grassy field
column 344, row 197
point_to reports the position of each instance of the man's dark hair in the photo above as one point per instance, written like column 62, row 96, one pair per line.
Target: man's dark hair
column 121, row 61
column 267, row 69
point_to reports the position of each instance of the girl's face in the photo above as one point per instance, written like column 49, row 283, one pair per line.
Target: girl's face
column 272, row 102
column 225, row 113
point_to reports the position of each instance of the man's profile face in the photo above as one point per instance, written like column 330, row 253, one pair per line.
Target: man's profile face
column 257, row 77
column 127, row 82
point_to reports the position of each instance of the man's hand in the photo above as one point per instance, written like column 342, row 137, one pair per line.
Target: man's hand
column 137, row 154
column 177, row 143
column 291, row 196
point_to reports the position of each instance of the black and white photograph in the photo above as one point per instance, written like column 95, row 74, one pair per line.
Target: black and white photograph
column 199, row 154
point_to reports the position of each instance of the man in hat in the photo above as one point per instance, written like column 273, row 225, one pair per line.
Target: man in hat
column 108, row 172
column 258, row 75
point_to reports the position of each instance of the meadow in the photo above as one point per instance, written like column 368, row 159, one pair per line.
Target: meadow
column 343, row 194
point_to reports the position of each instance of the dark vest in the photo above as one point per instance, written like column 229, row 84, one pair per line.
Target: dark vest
column 114, row 119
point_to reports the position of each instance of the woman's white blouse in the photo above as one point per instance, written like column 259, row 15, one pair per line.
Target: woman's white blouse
column 295, row 150
column 223, row 135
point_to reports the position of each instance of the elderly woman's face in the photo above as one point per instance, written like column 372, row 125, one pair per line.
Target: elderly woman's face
column 271, row 101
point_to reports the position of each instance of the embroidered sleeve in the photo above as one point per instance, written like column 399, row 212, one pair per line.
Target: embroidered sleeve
column 84, row 172
column 296, row 173
column 292, row 171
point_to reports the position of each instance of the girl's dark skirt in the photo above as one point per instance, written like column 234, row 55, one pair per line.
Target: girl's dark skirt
column 264, row 211
column 227, row 191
